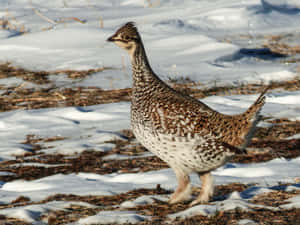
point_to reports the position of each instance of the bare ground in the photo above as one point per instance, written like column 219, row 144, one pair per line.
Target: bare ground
column 21, row 97
column 269, row 143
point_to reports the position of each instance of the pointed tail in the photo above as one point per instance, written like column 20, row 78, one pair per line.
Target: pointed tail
column 253, row 116
column 255, row 108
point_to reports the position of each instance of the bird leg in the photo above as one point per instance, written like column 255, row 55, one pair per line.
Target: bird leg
column 184, row 188
column 207, row 189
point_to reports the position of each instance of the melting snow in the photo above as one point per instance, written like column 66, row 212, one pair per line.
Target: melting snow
column 182, row 39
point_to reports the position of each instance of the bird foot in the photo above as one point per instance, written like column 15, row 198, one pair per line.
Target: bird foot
column 180, row 196
column 175, row 198
column 200, row 200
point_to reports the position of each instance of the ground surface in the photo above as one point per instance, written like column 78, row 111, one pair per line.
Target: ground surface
column 67, row 153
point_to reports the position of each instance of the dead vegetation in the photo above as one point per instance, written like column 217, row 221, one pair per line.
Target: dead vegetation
column 94, row 162
column 49, row 97
column 22, row 97
column 7, row 70
column 261, row 216
column 267, row 144
column 279, row 129
column 10, row 23
column 283, row 46
column 275, row 198
column 158, row 210
column 277, row 45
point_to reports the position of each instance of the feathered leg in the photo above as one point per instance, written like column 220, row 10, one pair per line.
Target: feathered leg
column 207, row 189
column 184, row 188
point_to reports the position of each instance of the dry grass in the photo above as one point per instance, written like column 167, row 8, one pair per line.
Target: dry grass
column 159, row 210
column 20, row 97
column 93, row 162
column 274, row 198
column 10, row 23
column 266, row 146
column 276, row 45
column 52, row 97
column 42, row 77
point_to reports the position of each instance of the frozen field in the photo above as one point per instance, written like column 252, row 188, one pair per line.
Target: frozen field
column 80, row 165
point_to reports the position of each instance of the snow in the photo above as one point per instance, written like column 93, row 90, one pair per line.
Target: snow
column 143, row 200
column 246, row 222
column 6, row 173
column 234, row 201
column 205, row 210
column 32, row 213
column 201, row 40
column 122, row 157
column 83, row 132
column 108, row 217
column 74, row 123
column 268, row 78
column 210, row 210
column 90, row 127
column 36, row 165
column 294, row 203
column 93, row 184
column 197, row 26
column 249, row 172
column 296, row 136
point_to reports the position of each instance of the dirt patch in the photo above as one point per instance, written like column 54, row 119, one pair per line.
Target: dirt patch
column 93, row 162
column 279, row 129
column 275, row 198
column 278, row 45
column 260, row 216
column 11, row 221
column 42, row 77
column 262, row 151
column 20, row 97
column 52, row 97
column 31, row 98
column 266, row 146
column 157, row 210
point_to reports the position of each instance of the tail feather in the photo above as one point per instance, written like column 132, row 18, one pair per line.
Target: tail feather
column 253, row 116
column 257, row 105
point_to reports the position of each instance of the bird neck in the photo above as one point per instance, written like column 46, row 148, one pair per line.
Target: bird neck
column 143, row 74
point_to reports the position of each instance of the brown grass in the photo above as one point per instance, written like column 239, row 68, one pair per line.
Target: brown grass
column 267, row 145
column 21, row 97
column 91, row 161
column 9, row 22
column 159, row 210
column 275, row 198
column 276, row 45
column 41, row 77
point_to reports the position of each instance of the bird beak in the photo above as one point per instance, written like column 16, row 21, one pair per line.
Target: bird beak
column 110, row 39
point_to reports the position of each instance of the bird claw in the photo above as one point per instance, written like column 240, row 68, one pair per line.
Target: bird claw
column 159, row 201
column 199, row 200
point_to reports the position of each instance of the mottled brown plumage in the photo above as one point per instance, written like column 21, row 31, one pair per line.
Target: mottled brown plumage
column 182, row 131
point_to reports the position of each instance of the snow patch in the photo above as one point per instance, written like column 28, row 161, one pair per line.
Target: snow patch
column 119, row 217
column 32, row 213
column 247, row 172
column 294, row 203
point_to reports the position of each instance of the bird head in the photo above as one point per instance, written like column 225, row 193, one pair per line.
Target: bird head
column 126, row 37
